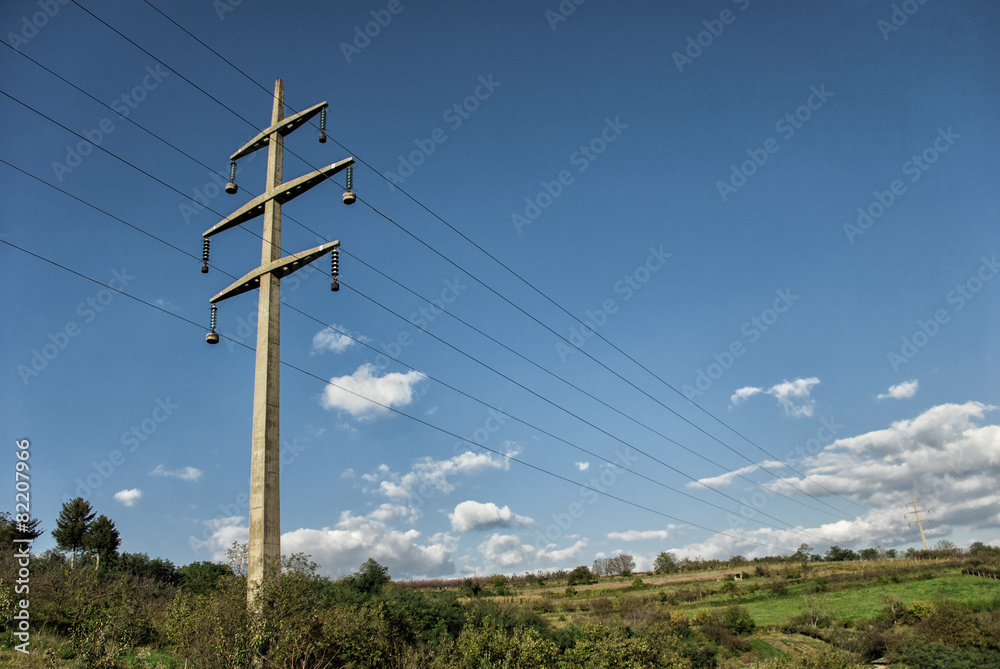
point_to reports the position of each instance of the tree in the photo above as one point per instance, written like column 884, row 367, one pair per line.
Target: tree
column 102, row 538
column 581, row 576
column 369, row 578
column 202, row 577
column 945, row 546
column 71, row 525
column 838, row 554
column 802, row 555
column 11, row 531
column 665, row 562
column 623, row 564
column 238, row 557
column 869, row 553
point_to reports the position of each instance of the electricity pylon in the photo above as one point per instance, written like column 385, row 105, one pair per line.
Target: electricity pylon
column 919, row 522
column 265, row 509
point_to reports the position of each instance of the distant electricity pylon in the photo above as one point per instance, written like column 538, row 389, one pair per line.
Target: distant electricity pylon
column 265, row 515
column 916, row 514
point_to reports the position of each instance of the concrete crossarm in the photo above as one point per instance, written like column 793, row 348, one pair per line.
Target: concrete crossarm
column 282, row 127
column 281, row 195
column 281, row 267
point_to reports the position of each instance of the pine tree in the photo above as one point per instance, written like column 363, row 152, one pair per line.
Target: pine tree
column 102, row 538
column 71, row 526
column 11, row 530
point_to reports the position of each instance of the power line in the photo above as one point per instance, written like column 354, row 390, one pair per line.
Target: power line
column 459, row 350
column 527, row 283
column 403, row 413
column 588, row 355
column 424, row 330
column 454, row 388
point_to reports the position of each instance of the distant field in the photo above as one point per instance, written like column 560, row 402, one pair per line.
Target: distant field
column 867, row 600
column 851, row 600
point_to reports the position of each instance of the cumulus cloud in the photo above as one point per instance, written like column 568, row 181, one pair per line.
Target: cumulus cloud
column 723, row 480
column 341, row 549
column 507, row 551
column 329, row 339
column 358, row 393
column 743, row 394
column 429, row 475
column 472, row 516
column 638, row 535
column 129, row 497
column 793, row 396
column 582, row 466
column 943, row 455
column 184, row 473
column 900, row 391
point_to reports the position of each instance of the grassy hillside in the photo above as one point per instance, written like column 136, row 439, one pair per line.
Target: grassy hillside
column 921, row 613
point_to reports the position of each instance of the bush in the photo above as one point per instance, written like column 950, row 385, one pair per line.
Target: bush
column 738, row 621
column 581, row 576
column 486, row 644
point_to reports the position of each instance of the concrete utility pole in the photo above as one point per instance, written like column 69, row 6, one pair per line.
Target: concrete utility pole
column 265, row 520
column 916, row 513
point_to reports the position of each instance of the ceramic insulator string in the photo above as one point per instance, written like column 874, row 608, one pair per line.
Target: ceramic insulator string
column 204, row 255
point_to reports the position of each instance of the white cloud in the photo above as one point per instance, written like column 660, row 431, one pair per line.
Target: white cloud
column 582, row 466
column 129, row 497
column 793, row 396
column 900, row 391
column 942, row 456
column 638, row 535
column 358, row 393
column 507, row 551
column 743, row 394
column 347, row 473
column 343, row 548
column 472, row 516
column 429, row 475
column 722, row 480
column 185, row 473
column 331, row 340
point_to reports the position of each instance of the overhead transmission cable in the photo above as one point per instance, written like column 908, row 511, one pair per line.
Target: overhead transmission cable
column 421, row 421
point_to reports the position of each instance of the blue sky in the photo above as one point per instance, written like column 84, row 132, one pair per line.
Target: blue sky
column 786, row 213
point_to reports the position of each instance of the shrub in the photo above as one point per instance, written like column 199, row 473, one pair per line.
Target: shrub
column 486, row 643
column 581, row 576
column 738, row 621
